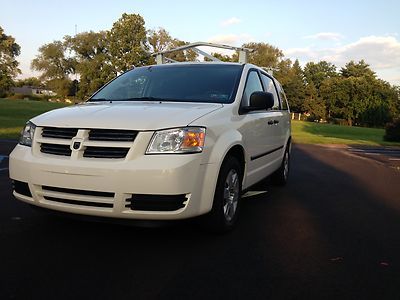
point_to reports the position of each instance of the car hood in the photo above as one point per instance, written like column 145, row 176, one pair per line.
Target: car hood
column 129, row 115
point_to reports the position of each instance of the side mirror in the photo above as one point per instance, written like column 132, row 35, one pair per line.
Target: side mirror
column 260, row 101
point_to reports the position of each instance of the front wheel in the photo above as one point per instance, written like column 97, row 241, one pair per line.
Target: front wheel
column 226, row 205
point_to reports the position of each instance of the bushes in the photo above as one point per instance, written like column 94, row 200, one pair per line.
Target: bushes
column 18, row 96
column 393, row 131
column 338, row 121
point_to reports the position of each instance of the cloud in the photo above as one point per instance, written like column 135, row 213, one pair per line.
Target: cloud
column 382, row 53
column 236, row 40
column 325, row 36
column 231, row 39
column 230, row 21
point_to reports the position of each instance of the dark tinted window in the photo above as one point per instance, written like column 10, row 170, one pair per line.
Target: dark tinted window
column 182, row 83
column 270, row 88
column 253, row 84
column 285, row 105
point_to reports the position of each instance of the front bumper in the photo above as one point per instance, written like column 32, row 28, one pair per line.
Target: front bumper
column 68, row 185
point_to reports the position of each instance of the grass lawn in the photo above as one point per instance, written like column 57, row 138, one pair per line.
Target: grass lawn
column 15, row 113
column 317, row 133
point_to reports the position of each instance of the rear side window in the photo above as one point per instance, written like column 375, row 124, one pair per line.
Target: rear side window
column 282, row 95
column 270, row 88
column 253, row 84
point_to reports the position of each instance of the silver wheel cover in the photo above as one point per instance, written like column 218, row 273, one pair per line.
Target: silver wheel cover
column 231, row 195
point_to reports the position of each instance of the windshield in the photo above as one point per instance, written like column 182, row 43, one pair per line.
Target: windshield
column 179, row 83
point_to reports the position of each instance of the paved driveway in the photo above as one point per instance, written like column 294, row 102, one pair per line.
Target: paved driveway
column 333, row 232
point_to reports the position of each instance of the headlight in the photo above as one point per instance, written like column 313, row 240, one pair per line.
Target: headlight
column 178, row 140
column 27, row 134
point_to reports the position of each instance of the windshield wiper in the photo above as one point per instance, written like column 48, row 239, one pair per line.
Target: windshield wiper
column 140, row 99
column 99, row 100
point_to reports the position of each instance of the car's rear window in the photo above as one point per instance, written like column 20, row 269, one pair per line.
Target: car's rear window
column 180, row 83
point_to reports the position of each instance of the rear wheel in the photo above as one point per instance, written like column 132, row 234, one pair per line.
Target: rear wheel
column 226, row 205
column 280, row 177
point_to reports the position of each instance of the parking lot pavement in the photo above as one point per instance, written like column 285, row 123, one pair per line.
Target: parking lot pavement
column 388, row 156
column 331, row 233
column 6, row 147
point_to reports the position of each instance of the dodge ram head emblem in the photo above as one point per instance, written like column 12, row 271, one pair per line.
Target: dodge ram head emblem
column 76, row 144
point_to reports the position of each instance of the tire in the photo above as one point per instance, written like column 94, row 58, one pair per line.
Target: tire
column 226, row 204
column 280, row 176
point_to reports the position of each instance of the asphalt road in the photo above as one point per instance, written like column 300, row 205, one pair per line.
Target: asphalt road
column 333, row 232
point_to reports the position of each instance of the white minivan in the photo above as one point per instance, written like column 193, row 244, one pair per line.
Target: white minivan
column 160, row 142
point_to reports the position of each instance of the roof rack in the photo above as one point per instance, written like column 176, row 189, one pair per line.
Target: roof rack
column 243, row 52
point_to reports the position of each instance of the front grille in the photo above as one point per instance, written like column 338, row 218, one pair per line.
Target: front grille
column 97, row 143
column 105, row 152
column 59, row 133
column 112, row 135
column 78, row 202
column 77, row 192
column 21, row 188
column 156, row 202
column 55, row 149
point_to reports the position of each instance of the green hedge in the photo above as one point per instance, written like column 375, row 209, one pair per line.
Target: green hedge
column 393, row 131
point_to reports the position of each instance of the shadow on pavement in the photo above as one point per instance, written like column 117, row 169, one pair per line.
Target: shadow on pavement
column 325, row 235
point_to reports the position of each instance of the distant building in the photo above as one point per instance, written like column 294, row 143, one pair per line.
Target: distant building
column 32, row 91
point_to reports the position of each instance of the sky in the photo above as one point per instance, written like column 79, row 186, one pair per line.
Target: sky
column 335, row 31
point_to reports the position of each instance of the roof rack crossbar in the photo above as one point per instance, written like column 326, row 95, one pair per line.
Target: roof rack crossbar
column 243, row 52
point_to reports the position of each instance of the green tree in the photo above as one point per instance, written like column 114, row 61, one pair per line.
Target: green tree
column 313, row 104
column 159, row 40
column 56, row 67
column 222, row 57
column 264, row 55
column 9, row 50
column 93, row 61
column 128, row 43
column 292, row 79
column 185, row 55
column 360, row 69
column 31, row 81
column 316, row 73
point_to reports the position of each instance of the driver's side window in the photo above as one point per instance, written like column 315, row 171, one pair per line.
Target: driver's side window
column 253, row 84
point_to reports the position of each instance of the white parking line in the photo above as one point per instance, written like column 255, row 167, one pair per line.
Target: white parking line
column 253, row 193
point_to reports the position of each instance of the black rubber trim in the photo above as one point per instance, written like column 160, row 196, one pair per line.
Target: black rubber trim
column 266, row 153
column 79, row 203
column 146, row 202
column 78, row 192
column 21, row 188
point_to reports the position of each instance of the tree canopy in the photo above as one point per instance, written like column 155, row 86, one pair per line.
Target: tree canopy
column 127, row 43
column 353, row 94
column 9, row 50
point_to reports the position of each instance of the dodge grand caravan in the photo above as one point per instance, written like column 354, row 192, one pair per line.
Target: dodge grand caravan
column 160, row 142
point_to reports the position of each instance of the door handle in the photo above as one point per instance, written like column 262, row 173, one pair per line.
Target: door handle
column 276, row 121
column 270, row 122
